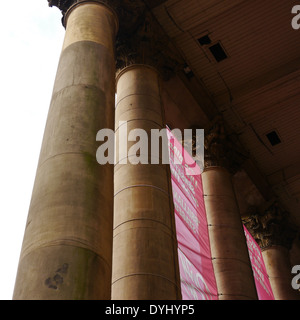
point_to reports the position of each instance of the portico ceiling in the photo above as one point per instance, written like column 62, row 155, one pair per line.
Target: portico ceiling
column 256, row 87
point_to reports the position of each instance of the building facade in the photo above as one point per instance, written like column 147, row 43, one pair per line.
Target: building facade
column 107, row 231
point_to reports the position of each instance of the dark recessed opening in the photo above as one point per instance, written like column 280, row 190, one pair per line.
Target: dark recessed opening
column 204, row 40
column 218, row 52
column 273, row 138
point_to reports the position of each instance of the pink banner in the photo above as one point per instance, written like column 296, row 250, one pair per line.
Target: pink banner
column 261, row 278
column 195, row 263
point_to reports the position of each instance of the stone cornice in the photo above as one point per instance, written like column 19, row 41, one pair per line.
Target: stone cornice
column 270, row 227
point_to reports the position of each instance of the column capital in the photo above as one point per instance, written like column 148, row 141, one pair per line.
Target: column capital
column 65, row 5
column 222, row 147
column 128, row 12
column 270, row 227
column 147, row 43
column 62, row 5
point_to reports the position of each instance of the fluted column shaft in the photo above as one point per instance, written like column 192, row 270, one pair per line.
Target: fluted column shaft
column 67, row 247
column 145, row 262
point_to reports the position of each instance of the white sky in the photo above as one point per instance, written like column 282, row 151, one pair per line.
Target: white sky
column 31, row 41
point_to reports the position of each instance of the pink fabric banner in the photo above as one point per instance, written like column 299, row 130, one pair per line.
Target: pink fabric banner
column 263, row 287
column 195, row 263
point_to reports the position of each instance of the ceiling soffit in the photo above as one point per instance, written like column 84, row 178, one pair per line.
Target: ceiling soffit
column 256, row 88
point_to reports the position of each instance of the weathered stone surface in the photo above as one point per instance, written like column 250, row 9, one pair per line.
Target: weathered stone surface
column 145, row 261
column 67, row 247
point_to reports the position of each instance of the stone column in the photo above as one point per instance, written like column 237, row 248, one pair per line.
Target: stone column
column 229, row 250
column 67, row 247
column 277, row 262
column 273, row 233
column 145, row 260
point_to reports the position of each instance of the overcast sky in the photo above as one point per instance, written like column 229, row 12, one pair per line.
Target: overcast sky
column 31, row 42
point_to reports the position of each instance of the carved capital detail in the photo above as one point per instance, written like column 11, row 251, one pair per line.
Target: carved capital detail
column 65, row 5
column 147, row 44
column 128, row 11
column 271, row 227
column 62, row 5
column 222, row 148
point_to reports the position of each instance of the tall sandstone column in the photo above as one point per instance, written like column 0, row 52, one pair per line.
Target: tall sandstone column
column 145, row 260
column 229, row 250
column 272, row 231
column 67, row 246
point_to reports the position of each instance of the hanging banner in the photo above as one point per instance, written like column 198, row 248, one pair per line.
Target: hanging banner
column 195, row 263
column 263, row 287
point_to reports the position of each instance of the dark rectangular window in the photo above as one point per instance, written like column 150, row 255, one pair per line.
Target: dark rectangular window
column 204, row 40
column 273, row 138
column 218, row 52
